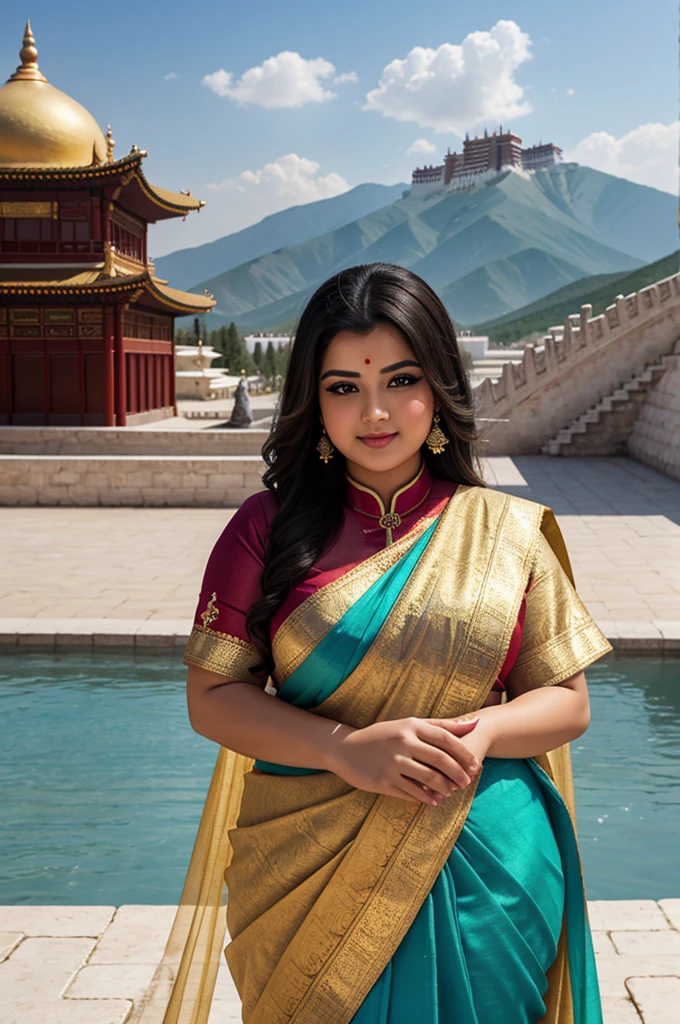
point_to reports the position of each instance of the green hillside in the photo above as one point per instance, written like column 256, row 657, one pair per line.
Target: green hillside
column 488, row 251
column 185, row 267
column 599, row 290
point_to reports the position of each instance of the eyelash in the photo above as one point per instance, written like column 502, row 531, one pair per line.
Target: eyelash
column 409, row 378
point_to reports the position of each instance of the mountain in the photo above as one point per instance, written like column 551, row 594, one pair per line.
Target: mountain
column 487, row 250
column 185, row 267
column 600, row 291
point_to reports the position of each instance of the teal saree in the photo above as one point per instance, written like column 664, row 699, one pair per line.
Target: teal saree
column 488, row 931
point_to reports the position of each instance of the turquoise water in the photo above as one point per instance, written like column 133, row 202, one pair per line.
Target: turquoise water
column 103, row 779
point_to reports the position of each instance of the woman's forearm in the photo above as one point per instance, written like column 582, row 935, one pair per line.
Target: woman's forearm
column 245, row 719
column 535, row 722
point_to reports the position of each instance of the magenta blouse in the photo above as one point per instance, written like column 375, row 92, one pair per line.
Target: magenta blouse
column 236, row 561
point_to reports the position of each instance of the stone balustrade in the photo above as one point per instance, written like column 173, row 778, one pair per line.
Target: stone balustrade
column 556, row 382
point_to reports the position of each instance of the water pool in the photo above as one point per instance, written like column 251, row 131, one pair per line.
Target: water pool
column 103, row 778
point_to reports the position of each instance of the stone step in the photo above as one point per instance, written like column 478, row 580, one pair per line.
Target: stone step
column 639, row 384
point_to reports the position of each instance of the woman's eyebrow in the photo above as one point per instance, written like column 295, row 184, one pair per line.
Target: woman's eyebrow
column 385, row 369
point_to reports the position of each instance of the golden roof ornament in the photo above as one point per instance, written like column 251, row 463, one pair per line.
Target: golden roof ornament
column 40, row 126
column 110, row 143
column 28, row 69
column 109, row 261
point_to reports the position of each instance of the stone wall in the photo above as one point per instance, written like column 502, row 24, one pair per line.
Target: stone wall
column 655, row 438
column 129, row 480
column 126, row 441
column 558, row 381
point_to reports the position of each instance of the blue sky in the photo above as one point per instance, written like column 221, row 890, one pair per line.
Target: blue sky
column 256, row 107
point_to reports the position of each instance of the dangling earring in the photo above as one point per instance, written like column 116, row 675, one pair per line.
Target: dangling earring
column 325, row 447
column 436, row 439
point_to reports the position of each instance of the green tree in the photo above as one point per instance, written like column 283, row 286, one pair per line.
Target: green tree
column 257, row 354
column 281, row 359
column 269, row 367
column 197, row 329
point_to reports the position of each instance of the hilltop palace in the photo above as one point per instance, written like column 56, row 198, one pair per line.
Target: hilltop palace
column 491, row 153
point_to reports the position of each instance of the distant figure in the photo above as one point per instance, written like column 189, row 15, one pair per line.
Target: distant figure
column 242, row 414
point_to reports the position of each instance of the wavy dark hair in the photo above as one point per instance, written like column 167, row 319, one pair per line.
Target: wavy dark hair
column 310, row 493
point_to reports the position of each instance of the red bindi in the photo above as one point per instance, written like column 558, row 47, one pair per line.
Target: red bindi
column 367, row 361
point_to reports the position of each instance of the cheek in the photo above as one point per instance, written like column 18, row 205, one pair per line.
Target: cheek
column 335, row 414
column 418, row 408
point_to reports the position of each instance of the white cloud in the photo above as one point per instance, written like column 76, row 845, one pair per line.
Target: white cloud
column 237, row 202
column 422, row 146
column 646, row 155
column 287, row 80
column 457, row 87
column 168, row 78
column 570, row 92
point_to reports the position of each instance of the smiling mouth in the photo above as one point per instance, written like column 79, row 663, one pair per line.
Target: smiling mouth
column 378, row 440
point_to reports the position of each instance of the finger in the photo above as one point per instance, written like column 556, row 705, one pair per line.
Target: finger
column 413, row 789
column 456, row 726
column 442, row 738
column 427, row 776
column 436, row 769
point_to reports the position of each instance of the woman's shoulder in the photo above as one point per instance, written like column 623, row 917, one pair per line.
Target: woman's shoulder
column 249, row 525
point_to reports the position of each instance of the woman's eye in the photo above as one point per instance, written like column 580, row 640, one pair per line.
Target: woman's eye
column 335, row 388
column 405, row 378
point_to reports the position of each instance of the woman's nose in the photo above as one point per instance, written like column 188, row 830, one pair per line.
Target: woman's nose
column 374, row 413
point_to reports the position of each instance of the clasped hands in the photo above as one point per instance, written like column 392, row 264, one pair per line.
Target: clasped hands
column 421, row 760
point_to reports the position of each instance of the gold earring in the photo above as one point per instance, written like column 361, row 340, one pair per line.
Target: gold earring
column 325, row 447
column 436, row 439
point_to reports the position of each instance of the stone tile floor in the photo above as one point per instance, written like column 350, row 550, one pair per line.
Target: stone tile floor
column 621, row 523
column 131, row 570
column 92, row 965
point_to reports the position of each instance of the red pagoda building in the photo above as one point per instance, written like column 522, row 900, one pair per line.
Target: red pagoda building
column 86, row 328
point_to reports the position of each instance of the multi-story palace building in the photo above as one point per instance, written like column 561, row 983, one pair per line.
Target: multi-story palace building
column 86, row 328
column 490, row 153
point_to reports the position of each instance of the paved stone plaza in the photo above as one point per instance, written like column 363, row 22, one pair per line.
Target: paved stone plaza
column 620, row 519
column 131, row 576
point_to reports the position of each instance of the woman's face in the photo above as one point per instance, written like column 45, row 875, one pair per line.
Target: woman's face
column 372, row 384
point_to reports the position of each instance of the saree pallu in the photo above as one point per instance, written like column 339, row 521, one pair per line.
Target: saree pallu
column 343, row 904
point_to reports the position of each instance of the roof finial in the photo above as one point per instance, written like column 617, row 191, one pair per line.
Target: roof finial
column 110, row 143
column 28, row 69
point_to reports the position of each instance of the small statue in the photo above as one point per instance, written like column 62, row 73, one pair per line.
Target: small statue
column 242, row 414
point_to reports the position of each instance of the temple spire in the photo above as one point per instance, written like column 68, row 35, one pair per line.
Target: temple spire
column 28, row 69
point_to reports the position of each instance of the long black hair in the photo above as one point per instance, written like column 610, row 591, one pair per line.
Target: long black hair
column 309, row 492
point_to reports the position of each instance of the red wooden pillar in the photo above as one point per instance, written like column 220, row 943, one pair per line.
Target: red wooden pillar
column 109, row 368
column 158, row 379
column 119, row 363
column 173, row 382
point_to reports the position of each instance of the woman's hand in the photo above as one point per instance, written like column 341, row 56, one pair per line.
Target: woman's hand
column 478, row 741
column 415, row 759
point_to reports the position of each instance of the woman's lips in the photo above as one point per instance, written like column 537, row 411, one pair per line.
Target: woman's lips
column 373, row 441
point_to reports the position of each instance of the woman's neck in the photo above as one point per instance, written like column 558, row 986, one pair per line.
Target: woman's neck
column 388, row 483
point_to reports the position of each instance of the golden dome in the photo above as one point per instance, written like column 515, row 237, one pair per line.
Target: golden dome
column 41, row 126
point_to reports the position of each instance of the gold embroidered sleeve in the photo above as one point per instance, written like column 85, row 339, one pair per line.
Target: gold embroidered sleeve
column 219, row 652
column 560, row 637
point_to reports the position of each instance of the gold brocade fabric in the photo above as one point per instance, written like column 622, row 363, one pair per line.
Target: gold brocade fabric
column 325, row 879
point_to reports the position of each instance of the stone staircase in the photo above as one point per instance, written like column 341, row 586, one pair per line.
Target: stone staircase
column 604, row 428
column 588, row 357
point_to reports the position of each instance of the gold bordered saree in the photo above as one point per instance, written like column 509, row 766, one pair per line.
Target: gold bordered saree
column 324, row 880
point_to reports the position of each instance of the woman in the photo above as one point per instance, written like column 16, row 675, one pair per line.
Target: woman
column 406, row 842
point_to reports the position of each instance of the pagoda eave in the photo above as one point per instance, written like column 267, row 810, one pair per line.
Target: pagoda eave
column 141, row 288
column 148, row 201
column 171, row 300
